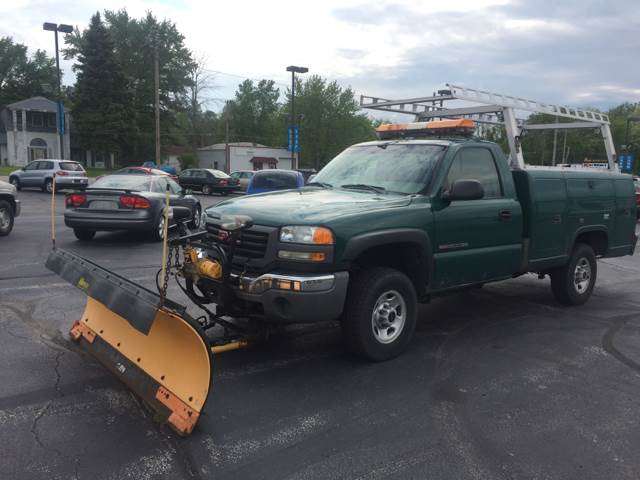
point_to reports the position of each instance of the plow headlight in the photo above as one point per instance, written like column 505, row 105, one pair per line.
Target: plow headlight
column 307, row 235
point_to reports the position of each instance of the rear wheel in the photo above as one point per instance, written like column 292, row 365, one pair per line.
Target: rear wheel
column 6, row 218
column 83, row 234
column 380, row 313
column 573, row 283
column 206, row 189
column 48, row 186
column 157, row 234
column 15, row 181
column 195, row 221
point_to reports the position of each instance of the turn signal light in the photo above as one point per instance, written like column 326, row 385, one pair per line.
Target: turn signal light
column 134, row 201
column 75, row 200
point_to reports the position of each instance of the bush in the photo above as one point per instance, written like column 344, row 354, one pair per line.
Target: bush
column 188, row 160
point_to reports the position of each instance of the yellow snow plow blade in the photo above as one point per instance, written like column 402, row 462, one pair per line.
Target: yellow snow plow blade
column 160, row 353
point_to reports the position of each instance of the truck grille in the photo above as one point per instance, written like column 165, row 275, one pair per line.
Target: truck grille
column 252, row 244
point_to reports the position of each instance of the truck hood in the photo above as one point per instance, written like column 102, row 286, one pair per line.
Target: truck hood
column 306, row 206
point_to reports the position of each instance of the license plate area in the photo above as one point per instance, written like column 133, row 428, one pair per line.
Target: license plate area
column 103, row 205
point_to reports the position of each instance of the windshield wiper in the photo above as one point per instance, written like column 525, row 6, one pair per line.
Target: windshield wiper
column 319, row 184
column 364, row 186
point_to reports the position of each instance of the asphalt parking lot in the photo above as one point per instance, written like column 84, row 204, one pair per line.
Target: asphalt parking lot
column 499, row 382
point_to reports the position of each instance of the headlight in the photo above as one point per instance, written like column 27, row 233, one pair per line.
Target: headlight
column 308, row 235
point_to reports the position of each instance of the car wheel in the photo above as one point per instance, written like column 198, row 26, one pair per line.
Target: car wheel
column 6, row 218
column 157, row 234
column 16, row 183
column 48, row 186
column 573, row 283
column 83, row 234
column 224, row 193
column 206, row 189
column 380, row 313
column 197, row 215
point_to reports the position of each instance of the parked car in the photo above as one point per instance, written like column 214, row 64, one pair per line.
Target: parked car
column 307, row 173
column 208, row 181
column 39, row 174
column 9, row 207
column 142, row 171
column 126, row 202
column 243, row 177
column 273, row 180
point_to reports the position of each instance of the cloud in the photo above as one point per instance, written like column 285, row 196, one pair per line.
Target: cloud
column 582, row 52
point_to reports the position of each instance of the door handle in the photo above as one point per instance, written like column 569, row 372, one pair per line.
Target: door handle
column 505, row 215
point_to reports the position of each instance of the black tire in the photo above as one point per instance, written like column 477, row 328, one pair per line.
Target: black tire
column 83, row 234
column 206, row 190
column 6, row 218
column 195, row 221
column 15, row 181
column 565, row 284
column 47, row 186
column 360, row 331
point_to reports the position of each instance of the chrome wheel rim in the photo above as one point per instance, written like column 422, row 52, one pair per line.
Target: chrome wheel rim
column 206, row 189
column 49, row 187
column 196, row 218
column 5, row 219
column 582, row 276
column 14, row 182
column 161, row 227
column 388, row 317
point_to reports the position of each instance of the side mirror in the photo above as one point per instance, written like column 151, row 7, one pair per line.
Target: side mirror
column 464, row 190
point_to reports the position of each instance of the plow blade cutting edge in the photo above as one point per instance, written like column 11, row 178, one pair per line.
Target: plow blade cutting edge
column 160, row 353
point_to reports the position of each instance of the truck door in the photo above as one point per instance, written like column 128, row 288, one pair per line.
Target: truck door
column 477, row 240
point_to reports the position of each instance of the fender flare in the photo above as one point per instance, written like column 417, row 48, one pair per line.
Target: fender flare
column 588, row 229
column 361, row 243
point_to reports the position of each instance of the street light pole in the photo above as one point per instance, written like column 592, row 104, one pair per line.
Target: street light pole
column 52, row 27
column 293, row 69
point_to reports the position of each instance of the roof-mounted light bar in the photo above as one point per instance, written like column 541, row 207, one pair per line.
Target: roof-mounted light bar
column 461, row 126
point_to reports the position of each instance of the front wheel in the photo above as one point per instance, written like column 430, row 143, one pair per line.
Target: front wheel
column 83, row 234
column 6, row 218
column 380, row 313
column 573, row 283
column 15, row 181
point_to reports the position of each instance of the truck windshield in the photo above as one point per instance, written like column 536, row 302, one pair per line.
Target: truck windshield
column 397, row 168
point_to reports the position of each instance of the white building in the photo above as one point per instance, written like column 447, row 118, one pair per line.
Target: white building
column 230, row 157
column 28, row 132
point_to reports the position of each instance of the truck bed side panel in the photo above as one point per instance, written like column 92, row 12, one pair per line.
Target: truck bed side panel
column 623, row 237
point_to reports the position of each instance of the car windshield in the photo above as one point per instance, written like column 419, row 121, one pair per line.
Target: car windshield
column 218, row 174
column 392, row 167
column 275, row 180
column 123, row 182
column 71, row 166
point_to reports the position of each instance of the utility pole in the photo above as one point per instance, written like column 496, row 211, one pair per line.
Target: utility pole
column 227, row 156
column 157, row 90
column 52, row 27
column 292, row 126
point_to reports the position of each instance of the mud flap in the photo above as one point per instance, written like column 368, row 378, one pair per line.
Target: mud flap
column 161, row 354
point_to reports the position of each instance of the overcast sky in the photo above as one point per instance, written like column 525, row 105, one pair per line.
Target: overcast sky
column 580, row 52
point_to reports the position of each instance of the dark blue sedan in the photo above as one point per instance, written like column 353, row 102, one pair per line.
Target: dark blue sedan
column 273, row 180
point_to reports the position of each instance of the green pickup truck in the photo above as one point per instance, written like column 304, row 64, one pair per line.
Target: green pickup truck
column 388, row 224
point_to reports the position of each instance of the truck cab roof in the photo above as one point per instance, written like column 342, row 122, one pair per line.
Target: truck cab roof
column 445, row 142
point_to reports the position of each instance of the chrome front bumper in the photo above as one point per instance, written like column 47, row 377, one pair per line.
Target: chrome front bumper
column 296, row 298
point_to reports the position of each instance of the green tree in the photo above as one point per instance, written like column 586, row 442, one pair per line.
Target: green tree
column 253, row 114
column 331, row 120
column 22, row 76
column 135, row 43
column 101, row 98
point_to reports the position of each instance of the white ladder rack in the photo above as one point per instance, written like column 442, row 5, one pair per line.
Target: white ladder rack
column 497, row 109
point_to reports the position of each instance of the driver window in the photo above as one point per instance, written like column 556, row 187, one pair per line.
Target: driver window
column 475, row 164
column 32, row 166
